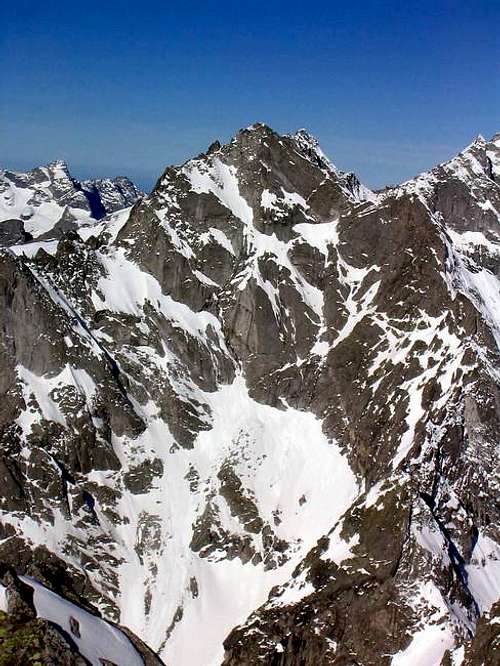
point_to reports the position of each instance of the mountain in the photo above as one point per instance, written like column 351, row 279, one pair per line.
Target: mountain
column 254, row 418
column 47, row 202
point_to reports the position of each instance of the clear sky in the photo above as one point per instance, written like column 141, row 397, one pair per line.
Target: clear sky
column 389, row 88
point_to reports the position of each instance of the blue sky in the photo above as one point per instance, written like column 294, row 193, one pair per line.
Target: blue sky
column 389, row 88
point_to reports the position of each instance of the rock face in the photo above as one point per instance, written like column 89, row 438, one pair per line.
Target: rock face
column 261, row 407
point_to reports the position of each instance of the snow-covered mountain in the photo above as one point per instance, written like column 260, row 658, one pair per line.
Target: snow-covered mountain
column 254, row 417
column 47, row 201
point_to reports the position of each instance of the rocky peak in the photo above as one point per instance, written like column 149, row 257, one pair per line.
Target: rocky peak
column 58, row 169
column 257, row 130
column 110, row 194
column 260, row 409
column 476, row 170
column 309, row 146
column 279, row 177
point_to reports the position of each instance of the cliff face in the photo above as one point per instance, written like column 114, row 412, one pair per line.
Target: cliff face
column 261, row 408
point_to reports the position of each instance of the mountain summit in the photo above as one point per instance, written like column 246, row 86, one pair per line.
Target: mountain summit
column 253, row 417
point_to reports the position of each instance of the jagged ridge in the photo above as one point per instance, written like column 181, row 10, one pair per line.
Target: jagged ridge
column 264, row 392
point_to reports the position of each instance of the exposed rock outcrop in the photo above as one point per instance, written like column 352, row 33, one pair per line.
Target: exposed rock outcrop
column 260, row 407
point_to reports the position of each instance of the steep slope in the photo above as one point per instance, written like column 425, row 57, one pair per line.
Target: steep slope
column 263, row 396
column 409, row 383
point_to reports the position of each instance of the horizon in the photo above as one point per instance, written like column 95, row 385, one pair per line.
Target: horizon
column 147, row 186
column 388, row 90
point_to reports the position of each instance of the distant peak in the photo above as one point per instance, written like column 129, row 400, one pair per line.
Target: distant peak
column 479, row 142
column 58, row 164
column 123, row 179
column 59, row 168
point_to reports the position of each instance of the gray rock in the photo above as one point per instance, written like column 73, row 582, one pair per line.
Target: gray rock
column 259, row 261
